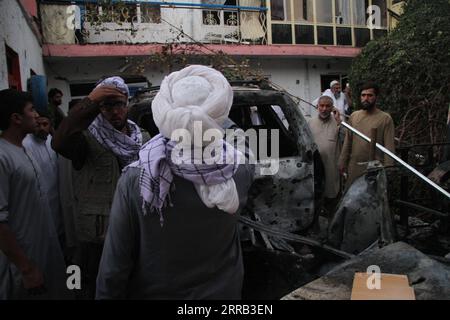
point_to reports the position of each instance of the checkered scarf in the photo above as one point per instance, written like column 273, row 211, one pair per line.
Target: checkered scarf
column 157, row 170
column 126, row 148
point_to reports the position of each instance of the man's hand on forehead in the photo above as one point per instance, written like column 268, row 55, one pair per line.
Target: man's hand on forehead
column 102, row 93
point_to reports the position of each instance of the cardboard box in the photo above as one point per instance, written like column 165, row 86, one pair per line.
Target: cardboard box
column 392, row 287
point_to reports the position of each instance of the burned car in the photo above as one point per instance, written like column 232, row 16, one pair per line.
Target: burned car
column 285, row 200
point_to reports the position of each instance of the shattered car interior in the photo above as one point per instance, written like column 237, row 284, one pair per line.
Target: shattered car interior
column 284, row 253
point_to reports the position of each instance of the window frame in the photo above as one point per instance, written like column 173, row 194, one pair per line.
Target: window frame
column 293, row 23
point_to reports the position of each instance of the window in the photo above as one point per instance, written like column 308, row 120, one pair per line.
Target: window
column 344, row 36
column 13, row 66
column 221, row 17
column 362, row 36
column 281, row 33
column 304, row 34
column 325, row 35
column 304, row 11
column 269, row 117
column 211, row 18
column 383, row 8
column 359, row 12
column 379, row 33
column 326, row 79
column 324, row 11
column 342, row 12
column 150, row 13
column 123, row 13
column 280, row 10
column 333, row 22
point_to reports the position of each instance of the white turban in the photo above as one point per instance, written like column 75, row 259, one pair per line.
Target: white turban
column 196, row 93
column 117, row 82
column 334, row 82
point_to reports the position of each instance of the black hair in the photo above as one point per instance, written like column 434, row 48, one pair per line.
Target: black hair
column 73, row 103
column 53, row 92
column 370, row 85
column 12, row 101
column 44, row 114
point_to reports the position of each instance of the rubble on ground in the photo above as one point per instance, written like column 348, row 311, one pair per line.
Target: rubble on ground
column 429, row 278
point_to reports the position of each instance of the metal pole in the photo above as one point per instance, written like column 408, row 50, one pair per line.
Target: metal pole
column 403, row 163
column 373, row 145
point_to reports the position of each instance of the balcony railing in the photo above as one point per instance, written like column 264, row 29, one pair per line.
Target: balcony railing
column 138, row 22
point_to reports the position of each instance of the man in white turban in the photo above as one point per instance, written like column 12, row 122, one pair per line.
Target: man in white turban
column 339, row 99
column 173, row 223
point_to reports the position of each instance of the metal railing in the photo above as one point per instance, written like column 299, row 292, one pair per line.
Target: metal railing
column 150, row 22
column 399, row 160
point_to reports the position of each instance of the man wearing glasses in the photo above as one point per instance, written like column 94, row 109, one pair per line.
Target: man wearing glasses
column 100, row 141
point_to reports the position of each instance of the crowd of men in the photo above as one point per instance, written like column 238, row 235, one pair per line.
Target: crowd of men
column 93, row 189
column 346, row 161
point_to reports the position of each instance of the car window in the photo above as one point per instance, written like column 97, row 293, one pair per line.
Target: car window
column 255, row 117
column 281, row 116
column 268, row 117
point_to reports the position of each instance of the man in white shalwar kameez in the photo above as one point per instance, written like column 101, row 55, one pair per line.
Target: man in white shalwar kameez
column 31, row 260
column 38, row 144
column 325, row 130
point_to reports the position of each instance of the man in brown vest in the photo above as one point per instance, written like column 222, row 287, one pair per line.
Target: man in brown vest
column 100, row 141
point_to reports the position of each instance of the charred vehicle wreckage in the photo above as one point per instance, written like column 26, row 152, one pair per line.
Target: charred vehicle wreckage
column 286, row 243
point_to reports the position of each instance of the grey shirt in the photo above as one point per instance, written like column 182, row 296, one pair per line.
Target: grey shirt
column 42, row 152
column 24, row 208
column 196, row 254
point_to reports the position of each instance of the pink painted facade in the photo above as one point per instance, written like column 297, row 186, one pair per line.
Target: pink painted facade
column 110, row 50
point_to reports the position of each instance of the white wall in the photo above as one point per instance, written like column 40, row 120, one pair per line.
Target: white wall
column 16, row 33
column 285, row 72
column 62, row 72
column 307, row 71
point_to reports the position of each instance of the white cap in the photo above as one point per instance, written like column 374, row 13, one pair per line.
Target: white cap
column 334, row 82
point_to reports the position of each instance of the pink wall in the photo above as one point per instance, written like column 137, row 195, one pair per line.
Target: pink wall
column 96, row 50
column 30, row 6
